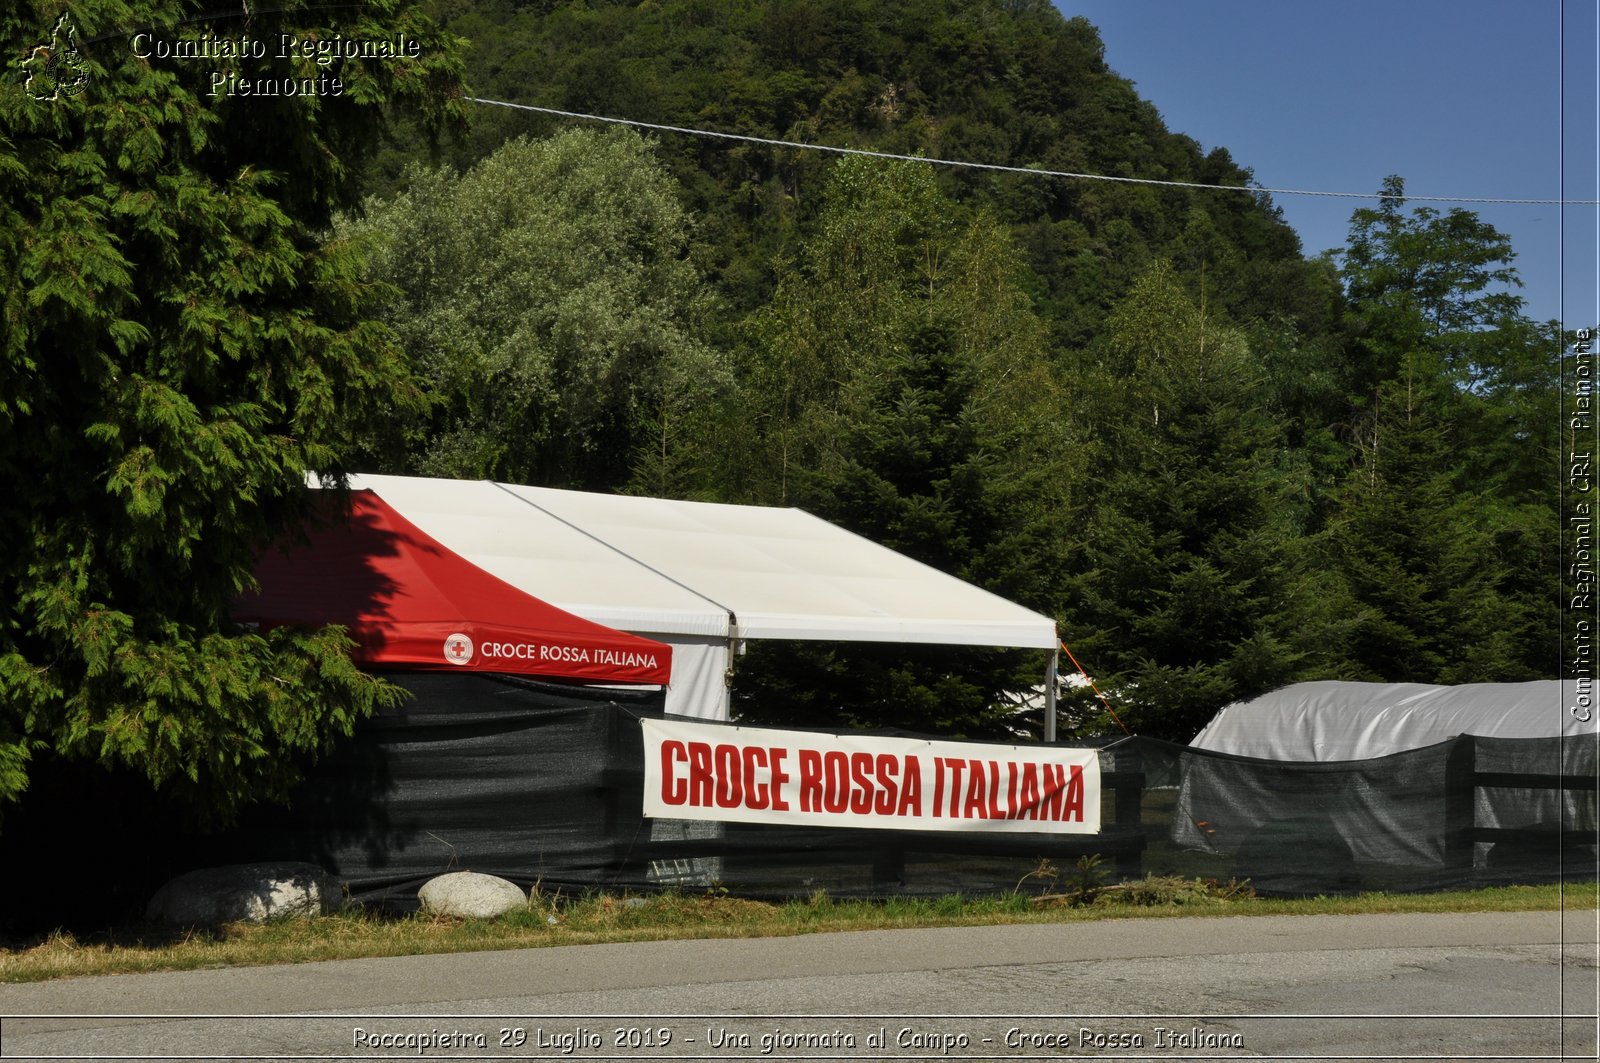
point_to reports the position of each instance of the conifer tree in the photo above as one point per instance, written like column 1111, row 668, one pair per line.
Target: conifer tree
column 1182, row 574
column 179, row 347
column 899, row 385
column 1444, row 533
column 1413, row 540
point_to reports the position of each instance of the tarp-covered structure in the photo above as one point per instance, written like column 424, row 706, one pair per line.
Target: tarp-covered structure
column 1330, row 785
column 701, row 576
column 1336, row 720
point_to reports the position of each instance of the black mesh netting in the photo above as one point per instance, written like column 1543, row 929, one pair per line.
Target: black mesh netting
column 543, row 783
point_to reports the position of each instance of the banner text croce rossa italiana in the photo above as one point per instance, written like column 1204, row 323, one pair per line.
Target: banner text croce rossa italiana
column 760, row 775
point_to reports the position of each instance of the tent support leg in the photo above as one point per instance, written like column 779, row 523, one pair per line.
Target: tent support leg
column 1050, row 695
column 731, row 660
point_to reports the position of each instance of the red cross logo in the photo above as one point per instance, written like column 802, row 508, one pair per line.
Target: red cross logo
column 458, row 649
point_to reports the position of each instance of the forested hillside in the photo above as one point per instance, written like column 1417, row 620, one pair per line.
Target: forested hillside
column 1005, row 83
column 1221, row 465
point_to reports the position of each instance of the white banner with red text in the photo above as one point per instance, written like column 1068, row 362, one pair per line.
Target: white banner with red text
column 760, row 775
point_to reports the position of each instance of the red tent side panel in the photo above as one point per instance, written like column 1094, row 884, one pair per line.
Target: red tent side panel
column 411, row 603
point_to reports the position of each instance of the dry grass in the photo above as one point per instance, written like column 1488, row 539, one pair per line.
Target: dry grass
column 602, row 918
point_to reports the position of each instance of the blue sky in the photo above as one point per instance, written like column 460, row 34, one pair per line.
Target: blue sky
column 1461, row 98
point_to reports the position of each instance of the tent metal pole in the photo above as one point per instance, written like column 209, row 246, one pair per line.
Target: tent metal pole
column 731, row 658
column 1050, row 695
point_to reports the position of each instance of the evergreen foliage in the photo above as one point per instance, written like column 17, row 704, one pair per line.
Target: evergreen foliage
column 1410, row 539
column 1445, row 532
column 900, row 384
column 181, row 343
column 1184, row 544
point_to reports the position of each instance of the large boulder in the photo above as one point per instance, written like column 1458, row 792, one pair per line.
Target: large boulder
column 471, row 895
column 248, row 892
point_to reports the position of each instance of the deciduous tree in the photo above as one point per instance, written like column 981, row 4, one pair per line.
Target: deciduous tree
column 547, row 301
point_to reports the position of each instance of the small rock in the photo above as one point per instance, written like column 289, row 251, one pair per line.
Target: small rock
column 471, row 895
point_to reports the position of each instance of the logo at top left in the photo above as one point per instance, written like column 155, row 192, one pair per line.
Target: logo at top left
column 56, row 69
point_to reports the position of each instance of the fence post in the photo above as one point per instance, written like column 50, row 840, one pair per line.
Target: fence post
column 1126, row 781
column 889, row 866
column 1460, row 802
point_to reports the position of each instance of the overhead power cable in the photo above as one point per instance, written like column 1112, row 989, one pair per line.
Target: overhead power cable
column 1027, row 170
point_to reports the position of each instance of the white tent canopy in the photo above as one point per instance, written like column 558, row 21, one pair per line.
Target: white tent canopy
column 1333, row 720
column 702, row 576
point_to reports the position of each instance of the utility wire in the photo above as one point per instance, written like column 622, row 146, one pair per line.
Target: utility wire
column 1028, row 170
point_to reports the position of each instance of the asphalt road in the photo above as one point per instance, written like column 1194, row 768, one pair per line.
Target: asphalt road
column 1441, row 987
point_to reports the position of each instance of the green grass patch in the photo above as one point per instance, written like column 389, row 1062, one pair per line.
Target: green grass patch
column 601, row 918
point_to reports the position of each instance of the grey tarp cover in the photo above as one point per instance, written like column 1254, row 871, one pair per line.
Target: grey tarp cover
column 1335, row 720
column 1331, row 759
